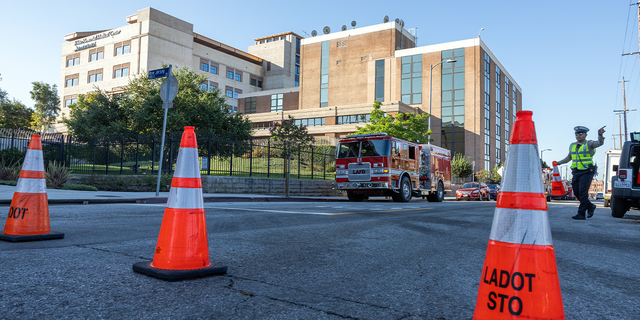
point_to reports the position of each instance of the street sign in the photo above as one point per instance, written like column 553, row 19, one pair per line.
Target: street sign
column 169, row 90
column 158, row 73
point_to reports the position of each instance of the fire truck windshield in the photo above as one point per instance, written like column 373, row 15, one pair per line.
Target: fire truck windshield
column 369, row 148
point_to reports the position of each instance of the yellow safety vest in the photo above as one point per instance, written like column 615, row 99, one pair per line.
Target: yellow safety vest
column 581, row 157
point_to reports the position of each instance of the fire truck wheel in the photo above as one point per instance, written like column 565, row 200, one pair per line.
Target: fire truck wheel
column 405, row 191
column 439, row 195
column 356, row 197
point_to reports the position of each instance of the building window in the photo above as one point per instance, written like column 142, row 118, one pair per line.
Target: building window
column 297, row 75
column 73, row 60
column 232, row 109
column 121, row 70
column 238, row 76
column 379, row 91
column 255, row 81
column 204, row 66
column 324, row 75
column 204, row 87
column 498, row 115
column 311, row 122
column 96, row 54
column 230, row 74
column 213, row 69
column 487, row 111
column 229, row 92
column 452, row 102
column 277, row 102
column 507, row 103
column 95, row 75
column 69, row 100
column 411, row 84
column 122, row 47
column 236, row 92
column 71, row 80
column 357, row 118
column 250, row 105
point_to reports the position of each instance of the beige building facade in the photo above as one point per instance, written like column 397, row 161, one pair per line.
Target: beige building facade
column 106, row 59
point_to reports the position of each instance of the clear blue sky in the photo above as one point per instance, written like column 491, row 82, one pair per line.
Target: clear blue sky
column 566, row 55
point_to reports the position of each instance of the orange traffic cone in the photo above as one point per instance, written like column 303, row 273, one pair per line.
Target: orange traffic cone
column 557, row 187
column 519, row 277
column 28, row 218
column 182, row 250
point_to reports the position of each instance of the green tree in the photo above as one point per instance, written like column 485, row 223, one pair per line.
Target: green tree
column 97, row 115
column 289, row 137
column 47, row 104
column 407, row 126
column 460, row 166
column 496, row 177
column 484, row 175
column 13, row 114
column 544, row 164
column 139, row 110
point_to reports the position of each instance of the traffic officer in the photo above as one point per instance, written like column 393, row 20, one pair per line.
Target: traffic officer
column 582, row 168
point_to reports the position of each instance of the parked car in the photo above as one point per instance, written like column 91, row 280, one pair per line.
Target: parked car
column 474, row 191
column 599, row 196
column 495, row 188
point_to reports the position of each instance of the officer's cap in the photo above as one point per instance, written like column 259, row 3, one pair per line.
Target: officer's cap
column 581, row 129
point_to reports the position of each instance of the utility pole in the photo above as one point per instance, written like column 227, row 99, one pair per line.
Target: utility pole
column 638, row 52
column 624, row 110
column 619, row 129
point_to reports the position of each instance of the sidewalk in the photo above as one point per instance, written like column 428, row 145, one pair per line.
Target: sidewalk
column 58, row 196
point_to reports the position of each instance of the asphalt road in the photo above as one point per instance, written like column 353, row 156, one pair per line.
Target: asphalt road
column 311, row 260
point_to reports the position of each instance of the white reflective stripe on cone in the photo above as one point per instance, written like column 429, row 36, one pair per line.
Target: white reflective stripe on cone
column 28, row 185
column 185, row 198
column 521, row 226
column 522, row 171
column 187, row 165
column 556, row 178
column 33, row 160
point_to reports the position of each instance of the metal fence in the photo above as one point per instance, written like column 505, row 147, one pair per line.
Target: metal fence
column 140, row 154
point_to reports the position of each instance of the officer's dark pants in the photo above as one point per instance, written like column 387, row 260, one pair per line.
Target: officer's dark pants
column 580, row 184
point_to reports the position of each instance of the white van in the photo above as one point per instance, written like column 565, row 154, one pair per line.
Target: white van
column 611, row 160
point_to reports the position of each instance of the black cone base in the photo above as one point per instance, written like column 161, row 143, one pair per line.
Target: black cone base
column 31, row 237
column 175, row 275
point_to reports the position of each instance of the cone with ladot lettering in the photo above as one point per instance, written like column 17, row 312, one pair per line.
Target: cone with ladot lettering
column 557, row 187
column 182, row 250
column 28, row 217
column 520, row 277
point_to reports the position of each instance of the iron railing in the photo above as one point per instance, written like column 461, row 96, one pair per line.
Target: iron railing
column 140, row 154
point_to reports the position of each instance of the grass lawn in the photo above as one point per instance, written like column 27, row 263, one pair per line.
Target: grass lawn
column 260, row 167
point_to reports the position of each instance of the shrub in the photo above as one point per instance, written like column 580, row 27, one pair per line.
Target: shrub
column 80, row 187
column 12, row 156
column 9, row 172
column 8, row 183
column 56, row 174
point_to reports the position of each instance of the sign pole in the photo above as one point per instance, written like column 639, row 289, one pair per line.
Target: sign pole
column 164, row 129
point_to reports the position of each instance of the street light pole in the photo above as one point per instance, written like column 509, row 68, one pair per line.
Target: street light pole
column 430, row 85
column 542, row 153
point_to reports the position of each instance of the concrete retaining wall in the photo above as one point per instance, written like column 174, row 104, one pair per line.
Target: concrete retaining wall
column 309, row 188
column 216, row 184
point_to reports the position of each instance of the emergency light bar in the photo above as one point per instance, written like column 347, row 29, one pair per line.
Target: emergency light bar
column 367, row 135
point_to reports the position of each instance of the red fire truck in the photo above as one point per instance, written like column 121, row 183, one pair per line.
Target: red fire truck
column 376, row 164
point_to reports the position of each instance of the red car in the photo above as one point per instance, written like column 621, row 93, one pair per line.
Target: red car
column 474, row 191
